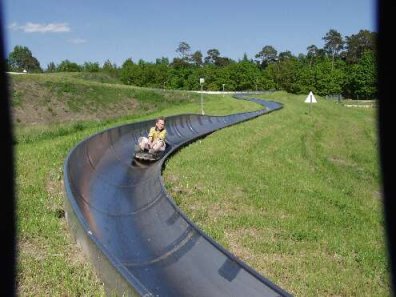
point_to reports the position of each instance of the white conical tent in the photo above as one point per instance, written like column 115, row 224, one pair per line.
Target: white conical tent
column 310, row 98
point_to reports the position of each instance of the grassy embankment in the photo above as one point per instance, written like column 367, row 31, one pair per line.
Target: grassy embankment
column 295, row 193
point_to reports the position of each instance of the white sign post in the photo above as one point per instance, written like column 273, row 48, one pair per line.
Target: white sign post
column 201, row 82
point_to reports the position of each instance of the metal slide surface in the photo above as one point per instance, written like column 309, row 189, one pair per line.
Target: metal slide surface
column 139, row 241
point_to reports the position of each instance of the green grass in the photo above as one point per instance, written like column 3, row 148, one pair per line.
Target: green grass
column 296, row 194
column 66, row 96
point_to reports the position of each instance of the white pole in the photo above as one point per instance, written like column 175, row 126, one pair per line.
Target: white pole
column 202, row 111
column 201, row 81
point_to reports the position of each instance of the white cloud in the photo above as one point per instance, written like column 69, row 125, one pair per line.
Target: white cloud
column 41, row 28
column 77, row 40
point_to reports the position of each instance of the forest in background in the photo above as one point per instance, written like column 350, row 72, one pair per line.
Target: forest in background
column 344, row 68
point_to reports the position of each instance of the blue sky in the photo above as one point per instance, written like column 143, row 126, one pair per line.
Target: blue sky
column 95, row 30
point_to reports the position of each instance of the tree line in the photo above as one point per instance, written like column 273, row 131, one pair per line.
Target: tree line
column 344, row 66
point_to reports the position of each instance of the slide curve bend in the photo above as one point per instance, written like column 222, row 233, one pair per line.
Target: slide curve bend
column 139, row 241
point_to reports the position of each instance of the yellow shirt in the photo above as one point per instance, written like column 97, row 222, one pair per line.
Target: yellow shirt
column 156, row 134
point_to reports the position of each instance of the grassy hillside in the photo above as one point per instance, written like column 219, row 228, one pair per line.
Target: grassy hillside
column 64, row 97
column 296, row 193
